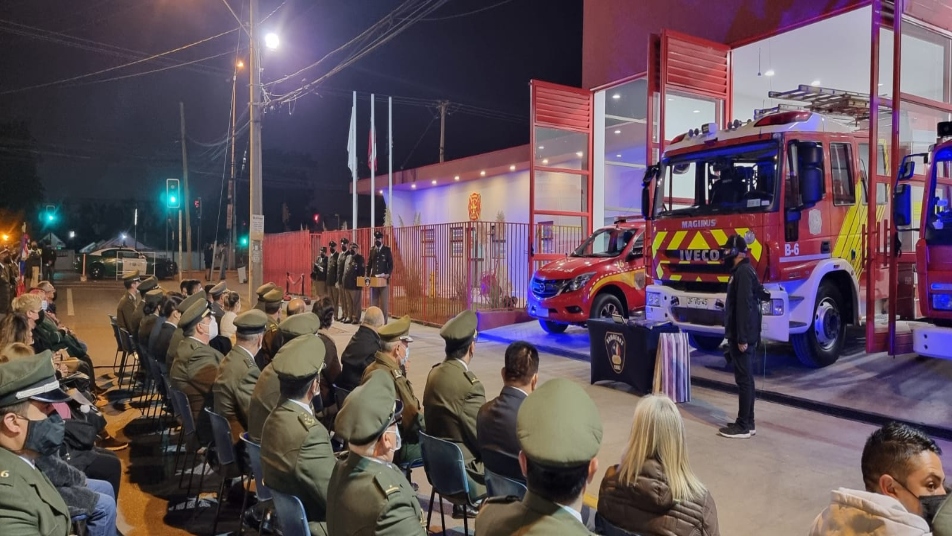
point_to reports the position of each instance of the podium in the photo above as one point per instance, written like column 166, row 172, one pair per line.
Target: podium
column 625, row 352
column 372, row 282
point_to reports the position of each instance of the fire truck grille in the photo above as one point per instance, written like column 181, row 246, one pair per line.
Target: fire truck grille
column 700, row 317
column 709, row 269
column 697, row 286
column 546, row 288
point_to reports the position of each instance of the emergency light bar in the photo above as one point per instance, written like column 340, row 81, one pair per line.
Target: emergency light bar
column 782, row 118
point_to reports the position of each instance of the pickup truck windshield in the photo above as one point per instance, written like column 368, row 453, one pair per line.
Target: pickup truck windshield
column 734, row 179
column 610, row 242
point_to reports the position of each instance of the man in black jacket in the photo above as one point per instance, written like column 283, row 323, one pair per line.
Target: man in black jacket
column 319, row 275
column 361, row 349
column 742, row 329
column 332, row 265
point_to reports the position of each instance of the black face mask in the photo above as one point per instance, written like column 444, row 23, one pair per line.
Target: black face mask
column 45, row 437
column 333, row 250
column 930, row 506
column 377, row 243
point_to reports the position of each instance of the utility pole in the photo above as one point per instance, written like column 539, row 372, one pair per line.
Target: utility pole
column 256, row 230
column 232, row 198
column 443, row 105
column 188, row 219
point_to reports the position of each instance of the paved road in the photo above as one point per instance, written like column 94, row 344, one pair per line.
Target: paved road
column 774, row 483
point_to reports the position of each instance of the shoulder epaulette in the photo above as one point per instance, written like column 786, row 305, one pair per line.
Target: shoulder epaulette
column 501, row 500
column 473, row 380
column 396, row 373
column 6, row 477
column 386, row 483
column 307, row 420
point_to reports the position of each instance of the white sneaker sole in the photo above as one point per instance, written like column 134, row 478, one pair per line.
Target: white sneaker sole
column 733, row 436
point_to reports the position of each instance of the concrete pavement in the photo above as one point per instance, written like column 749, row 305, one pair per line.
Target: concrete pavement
column 774, row 483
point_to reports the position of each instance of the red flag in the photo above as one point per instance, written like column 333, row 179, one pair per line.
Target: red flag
column 372, row 145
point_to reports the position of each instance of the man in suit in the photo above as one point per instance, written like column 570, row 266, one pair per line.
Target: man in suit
column 360, row 351
column 380, row 265
column 267, row 390
column 331, row 283
column 367, row 493
column 196, row 365
column 319, row 275
column 496, row 421
column 453, row 396
column 29, row 504
column 297, row 457
column 394, row 359
column 560, row 433
column 127, row 305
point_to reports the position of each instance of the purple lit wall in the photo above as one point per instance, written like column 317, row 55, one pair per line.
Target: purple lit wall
column 615, row 35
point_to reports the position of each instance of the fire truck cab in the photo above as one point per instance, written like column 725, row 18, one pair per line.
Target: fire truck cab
column 793, row 184
column 934, row 247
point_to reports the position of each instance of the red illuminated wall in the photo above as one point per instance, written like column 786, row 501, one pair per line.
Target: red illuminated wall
column 615, row 36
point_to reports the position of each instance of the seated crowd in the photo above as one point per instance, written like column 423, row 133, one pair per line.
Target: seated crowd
column 340, row 431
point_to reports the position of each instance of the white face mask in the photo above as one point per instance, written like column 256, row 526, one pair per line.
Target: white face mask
column 212, row 328
column 406, row 357
column 44, row 304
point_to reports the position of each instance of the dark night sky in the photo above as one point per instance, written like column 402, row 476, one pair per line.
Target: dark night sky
column 99, row 137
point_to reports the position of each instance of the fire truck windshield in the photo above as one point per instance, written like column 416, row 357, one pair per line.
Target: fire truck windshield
column 939, row 221
column 610, row 242
column 732, row 179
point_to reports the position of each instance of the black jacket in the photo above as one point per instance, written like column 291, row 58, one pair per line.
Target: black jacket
column 357, row 269
column 319, row 270
column 496, row 433
column 381, row 261
column 357, row 356
column 332, row 268
column 742, row 320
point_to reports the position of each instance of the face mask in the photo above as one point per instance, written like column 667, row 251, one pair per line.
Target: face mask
column 213, row 328
column 406, row 357
column 44, row 305
column 377, row 243
column 930, row 505
column 399, row 444
column 45, row 437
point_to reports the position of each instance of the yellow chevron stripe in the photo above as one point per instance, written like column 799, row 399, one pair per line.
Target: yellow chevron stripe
column 698, row 242
column 720, row 236
column 723, row 278
column 675, row 277
column 677, row 239
column 660, row 272
column 658, row 240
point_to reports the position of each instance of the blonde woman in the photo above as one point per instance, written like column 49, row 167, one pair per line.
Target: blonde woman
column 653, row 491
column 231, row 302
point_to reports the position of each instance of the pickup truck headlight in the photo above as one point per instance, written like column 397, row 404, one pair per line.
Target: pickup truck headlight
column 579, row 281
column 653, row 299
column 773, row 307
column 942, row 302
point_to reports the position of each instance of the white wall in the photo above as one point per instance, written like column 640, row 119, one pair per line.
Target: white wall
column 508, row 193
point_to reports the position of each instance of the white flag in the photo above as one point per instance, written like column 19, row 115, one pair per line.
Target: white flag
column 372, row 150
column 352, row 141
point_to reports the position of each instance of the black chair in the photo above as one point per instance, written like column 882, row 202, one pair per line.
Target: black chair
column 446, row 470
column 119, row 346
column 291, row 514
column 264, row 492
column 501, row 486
column 225, row 449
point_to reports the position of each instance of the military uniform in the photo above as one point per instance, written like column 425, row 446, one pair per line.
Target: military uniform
column 194, row 370
column 178, row 334
column 343, row 268
column 237, row 376
column 29, row 504
column 370, row 496
column 332, row 279
column 558, row 427
column 319, row 275
column 261, row 291
column 127, row 305
column 380, row 263
column 297, row 457
column 152, row 298
column 215, row 293
column 135, row 319
column 412, row 423
column 264, row 398
column 355, row 269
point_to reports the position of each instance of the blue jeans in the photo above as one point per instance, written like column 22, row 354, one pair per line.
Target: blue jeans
column 102, row 520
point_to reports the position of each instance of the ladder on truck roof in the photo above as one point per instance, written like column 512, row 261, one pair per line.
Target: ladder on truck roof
column 827, row 101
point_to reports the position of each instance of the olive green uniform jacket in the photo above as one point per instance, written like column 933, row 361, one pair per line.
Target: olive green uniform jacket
column 264, row 398
column 237, row 375
column 452, row 398
column 371, row 498
column 124, row 312
column 29, row 504
column 412, row 421
column 177, row 337
column 136, row 318
column 297, row 459
column 532, row 516
column 194, row 372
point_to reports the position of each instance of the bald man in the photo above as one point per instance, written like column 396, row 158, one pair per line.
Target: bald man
column 296, row 306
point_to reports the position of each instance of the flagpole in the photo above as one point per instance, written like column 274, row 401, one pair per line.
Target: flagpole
column 353, row 169
column 373, row 163
column 390, row 158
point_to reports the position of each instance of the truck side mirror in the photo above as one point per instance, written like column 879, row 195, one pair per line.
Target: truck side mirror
column 811, row 176
column 907, row 169
column 902, row 203
column 650, row 175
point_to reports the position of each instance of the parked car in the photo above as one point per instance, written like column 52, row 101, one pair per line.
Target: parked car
column 114, row 262
column 604, row 276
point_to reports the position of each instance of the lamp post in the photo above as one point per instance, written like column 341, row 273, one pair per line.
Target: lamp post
column 256, row 234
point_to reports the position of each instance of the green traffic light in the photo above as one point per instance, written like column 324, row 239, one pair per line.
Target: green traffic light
column 172, row 200
column 243, row 241
column 50, row 217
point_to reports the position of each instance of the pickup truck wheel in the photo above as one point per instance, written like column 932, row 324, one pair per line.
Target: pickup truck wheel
column 605, row 306
column 706, row 343
column 822, row 343
column 553, row 327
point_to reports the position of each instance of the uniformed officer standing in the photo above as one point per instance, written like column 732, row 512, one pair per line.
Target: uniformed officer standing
column 214, row 298
column 29, row 504
column 261, row 291
column 196, row 365
column 343, row 268
column 380, row 265
column 367, row 494
column 144, row 287
column 177, row 335
column 127, row 305
column 7, row 284
column 267, row 390
column 319, row 275
column 453, row 396
column 297, row 458
column 237, row 373
column 394, row 359
column 353, row 281
column 331, row 283
column 560, row 432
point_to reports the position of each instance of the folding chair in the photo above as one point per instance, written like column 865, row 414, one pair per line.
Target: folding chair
column 446, row 470
column 501, row 486
column 225, row 449
column 291, row 514
column 264, row 492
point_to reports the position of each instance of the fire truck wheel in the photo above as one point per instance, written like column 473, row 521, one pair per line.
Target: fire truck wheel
column 706, row 343
column 553, row 327
column 820, row 345
column 605, row 306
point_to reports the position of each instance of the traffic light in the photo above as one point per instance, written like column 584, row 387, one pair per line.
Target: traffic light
column 317, row 218
column 49, row 214
column 173, row 196
column 243, row 241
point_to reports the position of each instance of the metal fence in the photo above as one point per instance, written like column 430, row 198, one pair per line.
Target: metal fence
column 439, row 270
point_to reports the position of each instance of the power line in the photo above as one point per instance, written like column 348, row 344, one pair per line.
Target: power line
column 143, row 73
column 468, row 13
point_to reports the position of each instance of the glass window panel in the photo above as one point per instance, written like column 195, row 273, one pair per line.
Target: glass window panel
column 841, row 174
column 561, row 149
column 560, row 191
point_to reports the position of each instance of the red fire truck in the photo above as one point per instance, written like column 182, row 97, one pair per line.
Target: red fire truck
column 793, row 184
column 934, row 247
column 603, row 276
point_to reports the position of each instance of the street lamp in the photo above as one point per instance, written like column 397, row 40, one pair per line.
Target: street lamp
column 272, row 41
column 72, row 234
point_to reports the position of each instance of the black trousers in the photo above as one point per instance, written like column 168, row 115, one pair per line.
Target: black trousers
column 744, row 377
